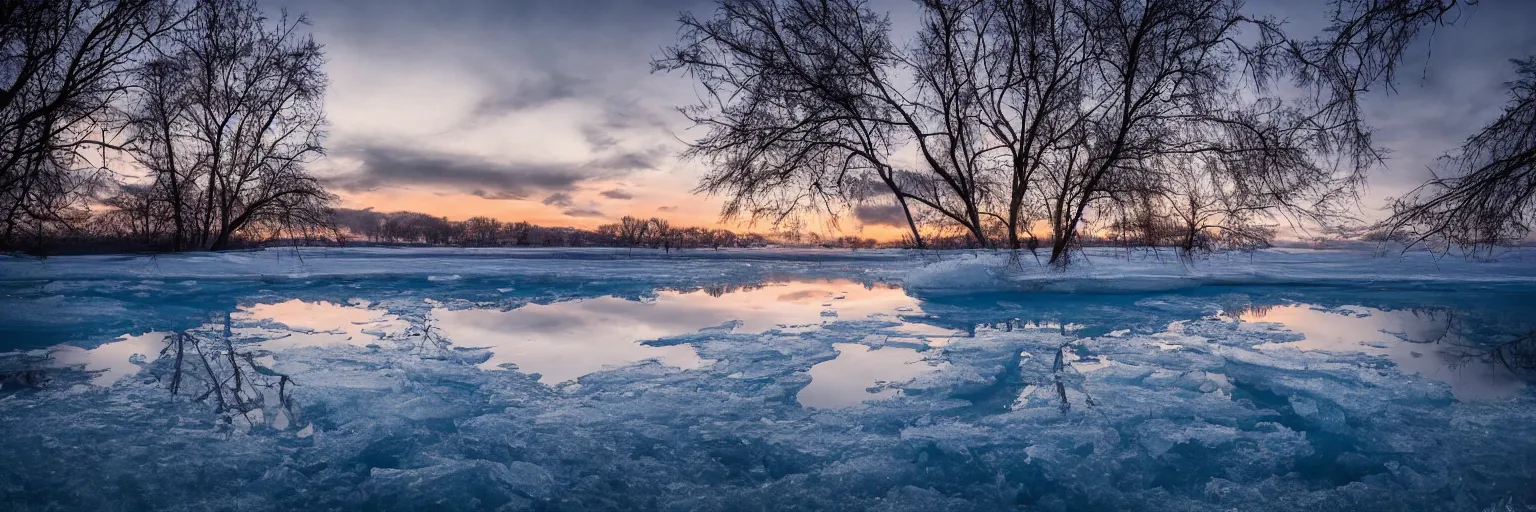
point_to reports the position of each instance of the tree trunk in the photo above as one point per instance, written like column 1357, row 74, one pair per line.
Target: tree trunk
column 917, row 238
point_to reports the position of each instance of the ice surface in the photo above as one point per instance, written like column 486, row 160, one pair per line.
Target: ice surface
column 347, row 379
column 320, row 323
column 1114, row 271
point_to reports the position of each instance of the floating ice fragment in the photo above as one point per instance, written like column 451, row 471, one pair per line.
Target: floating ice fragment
column 317, row 323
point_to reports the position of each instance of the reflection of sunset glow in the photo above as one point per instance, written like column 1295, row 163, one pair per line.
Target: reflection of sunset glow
column 566, row 340
column 1425, row 343
column 113, row 360
column 846, row 380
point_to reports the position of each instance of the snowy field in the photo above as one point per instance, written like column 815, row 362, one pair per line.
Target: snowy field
column 603, row 379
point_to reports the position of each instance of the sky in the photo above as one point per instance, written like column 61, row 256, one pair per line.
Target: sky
column 547, row 110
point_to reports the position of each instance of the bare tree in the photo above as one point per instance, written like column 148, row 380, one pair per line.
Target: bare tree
column 799, row 103
column 135, row 213
column 231, row 113
column 64, row 65
column 1487, row 194
column 1483, row 193
column 482, row 231
column 1014, row 109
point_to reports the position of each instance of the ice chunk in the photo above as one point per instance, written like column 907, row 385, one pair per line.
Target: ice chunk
column 318, row 323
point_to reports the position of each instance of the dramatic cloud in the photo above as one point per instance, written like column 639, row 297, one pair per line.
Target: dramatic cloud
column 510, row 98
column 631, row 161
column 558, row 199
column 880, row 215
column 617, row 194
column 391, row 167
column 388, row 166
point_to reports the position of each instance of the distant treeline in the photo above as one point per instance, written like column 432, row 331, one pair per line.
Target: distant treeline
column 369, row 226
column 420, row 228
column 121, row 230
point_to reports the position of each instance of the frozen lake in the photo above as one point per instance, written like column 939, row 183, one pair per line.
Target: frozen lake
column 602, row 379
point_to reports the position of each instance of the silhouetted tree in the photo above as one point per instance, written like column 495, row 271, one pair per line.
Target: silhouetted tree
column 1014, row 110
column 65, row 65
column 482, row 231
column 230, row 114
column 1486, row 194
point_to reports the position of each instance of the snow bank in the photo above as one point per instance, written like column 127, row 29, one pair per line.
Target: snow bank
column 1112, row 271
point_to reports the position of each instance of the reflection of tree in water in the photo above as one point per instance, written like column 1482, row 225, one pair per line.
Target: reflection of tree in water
column 718, row 291
column 427, row 340
column 1515, row 354
column 1448, row 329
column 1237, row 311
column 24, row 378
column 208, row 367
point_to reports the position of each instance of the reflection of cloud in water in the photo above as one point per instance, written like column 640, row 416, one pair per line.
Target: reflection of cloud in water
column 847, row 379
column 566, row 340
column 318, row 323
column 1421, row 343
column 114, row 360
column 301, row 324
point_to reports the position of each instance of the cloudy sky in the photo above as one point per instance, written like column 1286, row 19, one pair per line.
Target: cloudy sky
column 546, row 110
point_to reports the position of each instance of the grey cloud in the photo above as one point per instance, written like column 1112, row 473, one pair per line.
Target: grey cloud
column 631, row 160
column 617, row 194
column 558, row 199
column 582, row 212
column 495, row 195
column 386, row 166
column 619, row 114
column 666, row 208
column 598, row 137
column 880, row 215
column 512, row 97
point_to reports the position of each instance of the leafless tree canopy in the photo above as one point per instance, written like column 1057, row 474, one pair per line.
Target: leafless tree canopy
column 1485, row 193
column 65, row 65
column 1001, row 113
column 1482, row 193
column 219, row 104
column 230, row 113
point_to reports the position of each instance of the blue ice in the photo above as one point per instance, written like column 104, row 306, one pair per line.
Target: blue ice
column 559, row 379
